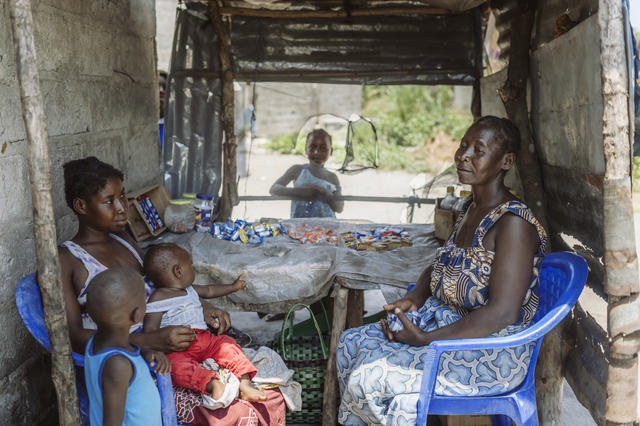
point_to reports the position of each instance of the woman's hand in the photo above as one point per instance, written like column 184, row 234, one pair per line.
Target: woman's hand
column 405, row 305
column 218, row 319
column 174, row 338
column 410, row 334
column 158, row 361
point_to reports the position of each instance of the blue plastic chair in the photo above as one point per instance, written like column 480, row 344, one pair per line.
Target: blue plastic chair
column 562, row 278
column 29, row 304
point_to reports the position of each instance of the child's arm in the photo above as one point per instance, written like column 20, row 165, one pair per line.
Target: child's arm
column 307, row 192
column 157, row 360
column 335, row 200
column 152, row 320
column 116, row 375
column 211, row 291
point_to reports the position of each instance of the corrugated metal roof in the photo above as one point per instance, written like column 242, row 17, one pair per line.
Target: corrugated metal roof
column 355, row 41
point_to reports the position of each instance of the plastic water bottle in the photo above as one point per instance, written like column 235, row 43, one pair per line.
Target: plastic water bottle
column 203, row 206
column 459, row 204
column 449, row 200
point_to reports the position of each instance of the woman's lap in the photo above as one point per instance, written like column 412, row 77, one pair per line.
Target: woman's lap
column 380, row 380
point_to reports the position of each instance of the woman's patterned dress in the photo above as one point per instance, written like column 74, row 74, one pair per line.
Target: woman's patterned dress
column 380, row 381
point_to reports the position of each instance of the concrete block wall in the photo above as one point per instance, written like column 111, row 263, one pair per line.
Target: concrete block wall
column 284, row 107
column 97, row 69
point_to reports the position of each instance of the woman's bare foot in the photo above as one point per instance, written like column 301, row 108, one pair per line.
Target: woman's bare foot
column 216, row 388
column 249, row 393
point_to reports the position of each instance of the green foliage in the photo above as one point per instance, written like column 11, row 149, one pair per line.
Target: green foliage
column 407, row 119
column 413, row 115
column 286, row 144
column 636, row 174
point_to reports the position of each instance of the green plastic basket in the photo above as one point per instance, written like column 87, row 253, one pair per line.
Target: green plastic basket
column 307, row 356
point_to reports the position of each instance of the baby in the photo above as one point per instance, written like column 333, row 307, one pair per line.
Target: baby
column 176, row 301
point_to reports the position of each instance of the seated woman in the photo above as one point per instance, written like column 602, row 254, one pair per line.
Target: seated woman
column 95, row 193
column 483, row 282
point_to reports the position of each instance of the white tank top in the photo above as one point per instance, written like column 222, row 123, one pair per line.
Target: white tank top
column 180, row 310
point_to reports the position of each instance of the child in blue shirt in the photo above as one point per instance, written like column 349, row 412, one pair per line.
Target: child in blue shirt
column 121, row 390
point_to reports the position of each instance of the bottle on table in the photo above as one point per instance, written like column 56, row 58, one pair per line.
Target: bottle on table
column 449, row 200
column 179, row 216
column 461, row 201
column 203, row 206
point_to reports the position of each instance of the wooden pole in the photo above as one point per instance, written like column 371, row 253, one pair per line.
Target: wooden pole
column 549, row 370
column 514, row 97
column 229, row 169
column 331, row 392
column 620, row 260
column 43, row 225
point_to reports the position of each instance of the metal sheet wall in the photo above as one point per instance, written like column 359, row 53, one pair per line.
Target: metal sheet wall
column 430, row 49
column 192, row 151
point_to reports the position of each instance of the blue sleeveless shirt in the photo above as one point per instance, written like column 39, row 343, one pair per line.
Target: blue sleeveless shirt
column 142, row 407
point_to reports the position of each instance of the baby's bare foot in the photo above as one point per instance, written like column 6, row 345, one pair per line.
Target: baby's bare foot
column 217, row 388
column 249, row 393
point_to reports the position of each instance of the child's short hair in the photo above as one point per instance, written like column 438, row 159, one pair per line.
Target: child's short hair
column 85, row 177
column 113, row 293
column 159, row 260
column 319, row 132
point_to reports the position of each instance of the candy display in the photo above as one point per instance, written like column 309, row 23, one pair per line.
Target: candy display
column 245, row 232
column 310, row 234
column 378, row 239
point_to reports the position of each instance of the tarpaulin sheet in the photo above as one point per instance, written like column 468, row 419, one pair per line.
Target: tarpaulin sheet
column 282, row 271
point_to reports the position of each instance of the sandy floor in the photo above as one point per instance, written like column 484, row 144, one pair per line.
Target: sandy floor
column 265, row 168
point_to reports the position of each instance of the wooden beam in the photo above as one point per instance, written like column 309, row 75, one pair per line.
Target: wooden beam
column 514, row 97
column 620, row 259
column 47, row 265
column 549, row 377
column 332, row 14
column 229, row 169
column 372, row 199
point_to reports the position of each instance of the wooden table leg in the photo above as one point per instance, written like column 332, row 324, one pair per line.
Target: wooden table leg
column 331, row 391
column 355, row 302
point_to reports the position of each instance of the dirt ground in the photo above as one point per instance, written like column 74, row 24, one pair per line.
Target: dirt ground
column 265, row 167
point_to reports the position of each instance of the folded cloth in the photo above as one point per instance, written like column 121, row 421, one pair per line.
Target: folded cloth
column 231, row 386
column 273, row 371
column 396, row 325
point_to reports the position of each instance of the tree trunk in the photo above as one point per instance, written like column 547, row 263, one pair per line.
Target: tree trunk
column 44, row 228
column 620, row 259
column 229, row 168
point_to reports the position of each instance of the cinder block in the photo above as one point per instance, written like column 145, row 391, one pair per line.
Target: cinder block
column 12, row 128
column 14, row 180
column 107, row 146
column 65, row 106
column 142, row 157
